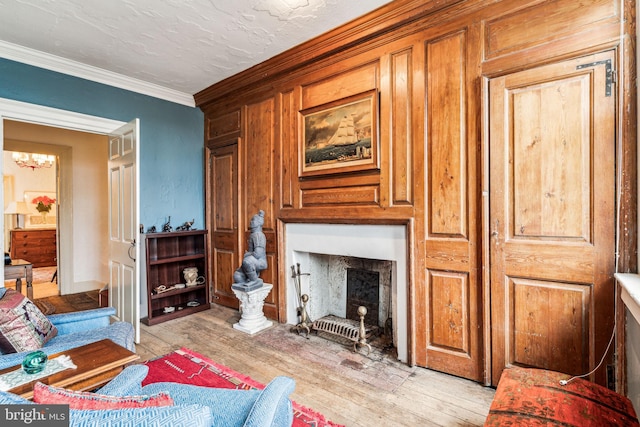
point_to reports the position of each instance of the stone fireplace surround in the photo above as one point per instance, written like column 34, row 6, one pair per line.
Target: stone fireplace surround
column 377, row 242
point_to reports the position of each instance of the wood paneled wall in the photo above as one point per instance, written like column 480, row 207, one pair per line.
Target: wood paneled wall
column 429, row 63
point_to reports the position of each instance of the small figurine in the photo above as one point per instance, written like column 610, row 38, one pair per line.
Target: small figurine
column 151, row 229
column 166, row 227
column 186, row 226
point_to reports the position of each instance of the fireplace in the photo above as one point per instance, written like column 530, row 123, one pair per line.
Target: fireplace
column 328, row 251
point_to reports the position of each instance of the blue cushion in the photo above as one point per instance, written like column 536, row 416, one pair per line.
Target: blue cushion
column 174, row 416
column 7, row 398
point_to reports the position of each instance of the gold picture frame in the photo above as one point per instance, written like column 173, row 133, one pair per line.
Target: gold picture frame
column 340, row 136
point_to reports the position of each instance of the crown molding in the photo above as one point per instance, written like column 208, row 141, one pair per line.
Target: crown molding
column 73, row 68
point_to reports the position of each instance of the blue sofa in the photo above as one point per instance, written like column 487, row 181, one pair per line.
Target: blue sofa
column 77, row 329
column 194, row 406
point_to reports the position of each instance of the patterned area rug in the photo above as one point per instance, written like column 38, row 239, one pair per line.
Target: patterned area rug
column 179, row 365
column 68, row 303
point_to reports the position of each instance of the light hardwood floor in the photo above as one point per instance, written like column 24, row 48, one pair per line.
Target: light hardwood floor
column 347, row 388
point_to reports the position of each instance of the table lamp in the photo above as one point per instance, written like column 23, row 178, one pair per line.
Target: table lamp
column 17, row 208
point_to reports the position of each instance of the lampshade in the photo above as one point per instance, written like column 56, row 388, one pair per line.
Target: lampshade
column 17, row 208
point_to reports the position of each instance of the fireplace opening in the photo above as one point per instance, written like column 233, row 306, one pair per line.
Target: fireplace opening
column 348, row 298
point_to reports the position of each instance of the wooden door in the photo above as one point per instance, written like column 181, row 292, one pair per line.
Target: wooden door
column 223, row 200
column 552, row 216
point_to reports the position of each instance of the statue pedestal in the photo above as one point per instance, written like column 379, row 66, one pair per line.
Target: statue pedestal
column 251, row 304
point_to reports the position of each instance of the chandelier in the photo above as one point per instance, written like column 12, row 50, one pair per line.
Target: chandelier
column 33, row 160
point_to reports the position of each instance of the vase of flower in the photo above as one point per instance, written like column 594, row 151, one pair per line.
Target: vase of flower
column 43, row 205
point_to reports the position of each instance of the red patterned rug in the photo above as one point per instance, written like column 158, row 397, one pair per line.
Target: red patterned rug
column 181, row 364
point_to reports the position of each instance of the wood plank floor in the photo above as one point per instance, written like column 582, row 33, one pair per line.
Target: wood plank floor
column 347, row 388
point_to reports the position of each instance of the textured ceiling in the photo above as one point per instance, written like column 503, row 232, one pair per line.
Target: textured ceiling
column 182, row 45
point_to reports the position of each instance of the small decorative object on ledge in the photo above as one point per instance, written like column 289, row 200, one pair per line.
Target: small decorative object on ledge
column 247, row 277
column 34, row 362
column 166, row 227
column 191, row 277
column 186, row 226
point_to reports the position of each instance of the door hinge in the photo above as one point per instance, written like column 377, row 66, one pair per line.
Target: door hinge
column 611, row 377
column 611, row 76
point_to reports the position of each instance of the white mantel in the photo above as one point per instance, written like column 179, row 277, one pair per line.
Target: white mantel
column 381, row 242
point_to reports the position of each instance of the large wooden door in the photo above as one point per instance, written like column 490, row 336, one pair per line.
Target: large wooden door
column 223, row 199
column 552, row 216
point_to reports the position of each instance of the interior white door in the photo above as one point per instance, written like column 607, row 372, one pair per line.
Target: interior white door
column 124, row 234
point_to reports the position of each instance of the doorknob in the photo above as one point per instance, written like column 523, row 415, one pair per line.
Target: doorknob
column 133, row 246
column 495, row 232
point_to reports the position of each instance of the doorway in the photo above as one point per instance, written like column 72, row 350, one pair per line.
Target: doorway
column 30, row 232
column 81, row 254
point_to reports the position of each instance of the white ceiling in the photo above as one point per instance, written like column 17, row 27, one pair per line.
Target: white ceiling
column 171, row 49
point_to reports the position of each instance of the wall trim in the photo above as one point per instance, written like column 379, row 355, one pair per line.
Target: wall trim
column 77, row 69
column 33, row 113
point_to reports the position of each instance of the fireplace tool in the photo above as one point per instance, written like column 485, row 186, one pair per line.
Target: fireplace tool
column 302, row 302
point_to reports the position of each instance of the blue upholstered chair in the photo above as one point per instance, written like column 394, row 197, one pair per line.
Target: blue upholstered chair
column 193, row 405
column 77, row 329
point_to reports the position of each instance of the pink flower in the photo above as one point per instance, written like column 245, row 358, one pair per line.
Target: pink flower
column 43, row 203
column 44, row 199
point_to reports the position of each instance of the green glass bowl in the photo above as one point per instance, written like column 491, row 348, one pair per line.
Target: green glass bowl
column 34, row 362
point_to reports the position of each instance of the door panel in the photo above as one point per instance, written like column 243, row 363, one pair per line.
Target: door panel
column 124, row 274
column 223, row 164
column 453, row 335
column 561, row 316
column 258, row 190
column 552, row 202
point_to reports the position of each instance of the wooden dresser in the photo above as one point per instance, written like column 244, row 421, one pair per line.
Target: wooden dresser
column 38, row 246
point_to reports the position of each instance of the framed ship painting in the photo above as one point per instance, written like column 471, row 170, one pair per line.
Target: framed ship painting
column 341, row 136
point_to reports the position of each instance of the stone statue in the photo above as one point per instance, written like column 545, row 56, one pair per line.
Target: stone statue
column 247, row 276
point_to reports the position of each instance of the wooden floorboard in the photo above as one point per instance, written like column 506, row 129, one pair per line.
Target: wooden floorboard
column 346, row 387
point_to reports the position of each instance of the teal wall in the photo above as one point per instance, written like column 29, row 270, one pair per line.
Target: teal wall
column 171, row 136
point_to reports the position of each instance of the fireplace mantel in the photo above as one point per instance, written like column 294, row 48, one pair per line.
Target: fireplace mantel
column 381, row 242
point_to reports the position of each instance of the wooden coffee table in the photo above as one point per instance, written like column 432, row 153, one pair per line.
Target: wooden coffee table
column 97, row 363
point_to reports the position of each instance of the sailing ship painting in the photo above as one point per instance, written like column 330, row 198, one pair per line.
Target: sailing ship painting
column 340, row 136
